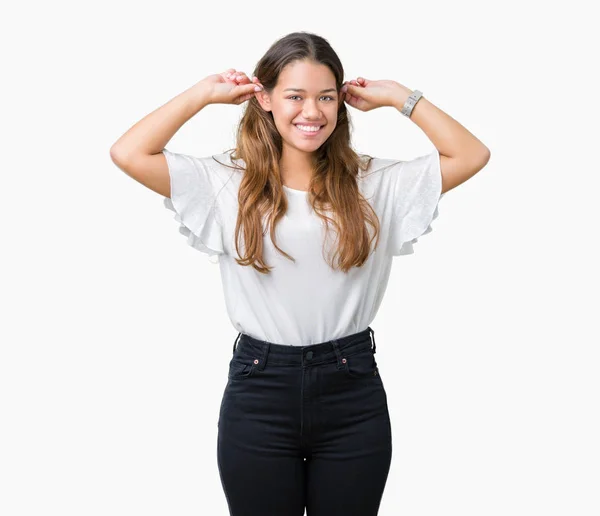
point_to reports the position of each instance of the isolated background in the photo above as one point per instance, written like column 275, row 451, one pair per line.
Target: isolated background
column 114, row 336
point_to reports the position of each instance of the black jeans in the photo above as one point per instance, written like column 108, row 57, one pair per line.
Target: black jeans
column 304, row 427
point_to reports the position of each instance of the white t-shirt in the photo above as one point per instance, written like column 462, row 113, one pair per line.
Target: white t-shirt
column 303, row 302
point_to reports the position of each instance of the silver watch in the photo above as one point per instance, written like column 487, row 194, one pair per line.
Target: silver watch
column 411, row 102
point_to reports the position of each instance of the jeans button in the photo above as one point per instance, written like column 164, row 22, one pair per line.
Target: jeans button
column 309, row 355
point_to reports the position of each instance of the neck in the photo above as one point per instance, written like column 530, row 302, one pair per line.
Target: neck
column 296, row 167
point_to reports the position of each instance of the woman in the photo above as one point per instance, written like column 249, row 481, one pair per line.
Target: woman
column 291, row 216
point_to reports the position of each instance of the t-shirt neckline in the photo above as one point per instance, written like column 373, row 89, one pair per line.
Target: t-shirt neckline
column 294, row 190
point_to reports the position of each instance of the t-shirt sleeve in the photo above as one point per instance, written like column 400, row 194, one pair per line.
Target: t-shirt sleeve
column 416, row 195
column 194, row 190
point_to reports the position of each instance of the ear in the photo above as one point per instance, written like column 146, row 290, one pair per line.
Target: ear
column 341, row 96
column 264, row 99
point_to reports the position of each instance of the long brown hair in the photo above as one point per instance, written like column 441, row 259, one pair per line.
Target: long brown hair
column 333, row 187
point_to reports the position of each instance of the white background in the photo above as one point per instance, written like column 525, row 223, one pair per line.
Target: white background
column 114, row 336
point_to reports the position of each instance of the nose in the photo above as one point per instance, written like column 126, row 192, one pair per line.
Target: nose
column 310, row 110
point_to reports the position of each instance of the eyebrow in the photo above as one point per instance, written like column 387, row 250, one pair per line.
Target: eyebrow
column 300, row 89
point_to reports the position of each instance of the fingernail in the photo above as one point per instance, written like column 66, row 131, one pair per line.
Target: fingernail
column 257, row 88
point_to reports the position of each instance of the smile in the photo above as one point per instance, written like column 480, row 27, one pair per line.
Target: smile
column 307, row 129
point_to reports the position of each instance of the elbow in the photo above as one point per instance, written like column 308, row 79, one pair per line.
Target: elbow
column 482, row 157
column 486, row 156
column 117, row 155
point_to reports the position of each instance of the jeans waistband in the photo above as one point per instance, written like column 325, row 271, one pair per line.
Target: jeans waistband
column 247, row 346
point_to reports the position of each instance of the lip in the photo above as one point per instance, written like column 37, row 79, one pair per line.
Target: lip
column 305, row 133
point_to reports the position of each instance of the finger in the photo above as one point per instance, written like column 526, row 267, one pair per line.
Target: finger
column 243, row 98
column 242, row 78
column 229, row 76
column 233, row 75
column 255, row 80
column 248, row 89
column 353, row 89
column 248, row 94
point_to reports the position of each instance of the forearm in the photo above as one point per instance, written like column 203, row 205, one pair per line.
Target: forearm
column 152, row 133
column 449, row 137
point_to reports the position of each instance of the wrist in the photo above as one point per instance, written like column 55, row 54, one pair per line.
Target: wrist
column 400, row 97
column 200, row 95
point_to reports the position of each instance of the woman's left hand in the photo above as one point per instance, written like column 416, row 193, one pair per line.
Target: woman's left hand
column 365, row 95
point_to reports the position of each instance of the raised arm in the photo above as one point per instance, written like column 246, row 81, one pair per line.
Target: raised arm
column 462, row 154
column 138, row 152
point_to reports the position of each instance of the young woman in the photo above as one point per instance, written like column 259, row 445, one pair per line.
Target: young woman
column 304, row 230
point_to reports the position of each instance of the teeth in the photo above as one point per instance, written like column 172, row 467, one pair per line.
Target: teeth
column 308, row 128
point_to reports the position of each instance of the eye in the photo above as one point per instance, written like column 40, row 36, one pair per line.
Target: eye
column 324, row 96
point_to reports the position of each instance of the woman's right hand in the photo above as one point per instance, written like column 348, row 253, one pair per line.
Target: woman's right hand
column 230, row 87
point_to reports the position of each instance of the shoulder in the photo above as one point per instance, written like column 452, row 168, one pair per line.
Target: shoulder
column 224, row 166
column 393, row 170
column 377, row 172
column 220, row 165
column 377, row 166
column 218, row 169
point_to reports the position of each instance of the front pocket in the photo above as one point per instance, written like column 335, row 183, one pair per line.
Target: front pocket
column 239, row 369
column 361, row 364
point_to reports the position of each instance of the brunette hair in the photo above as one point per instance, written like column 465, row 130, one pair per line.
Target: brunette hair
column 334, row 185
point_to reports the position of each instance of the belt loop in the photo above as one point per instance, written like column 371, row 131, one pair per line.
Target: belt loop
column 265, row 353
column 374, row 344
column 336, row 348
column 236, row 341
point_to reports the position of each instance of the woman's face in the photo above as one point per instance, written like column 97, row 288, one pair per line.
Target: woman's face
column 305, row 96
